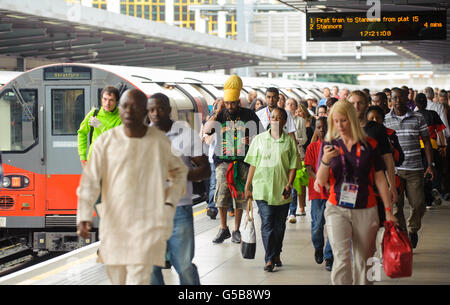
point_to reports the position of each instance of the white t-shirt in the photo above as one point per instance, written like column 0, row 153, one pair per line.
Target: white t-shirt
column 186, row 143
column 264, row 117
column 212, row 147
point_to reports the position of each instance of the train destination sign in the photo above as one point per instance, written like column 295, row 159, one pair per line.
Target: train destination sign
column 67, row 73
column 346, row 26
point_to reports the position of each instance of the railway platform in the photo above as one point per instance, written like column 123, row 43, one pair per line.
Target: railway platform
column 222, row 264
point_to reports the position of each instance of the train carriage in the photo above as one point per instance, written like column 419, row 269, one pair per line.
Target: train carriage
column 40, row 113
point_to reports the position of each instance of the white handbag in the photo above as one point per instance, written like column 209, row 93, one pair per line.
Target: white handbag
column 248, row 235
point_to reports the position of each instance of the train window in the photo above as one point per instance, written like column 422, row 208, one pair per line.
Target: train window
column 67, row 111
column 216, row 92
column 18, row 123
column 209, row 97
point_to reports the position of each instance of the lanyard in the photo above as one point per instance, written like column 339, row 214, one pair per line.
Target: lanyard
column 268, row 114
column 358, row 158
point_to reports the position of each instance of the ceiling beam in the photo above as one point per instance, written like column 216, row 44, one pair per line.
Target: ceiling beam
column 211, row 63
column 51, row 46
column 127, row 54
column 194, row 60
column 68, row 46
column 30, row 41
column 140, row 59
column 22, row 33
column 150, row 58
column 5, row 28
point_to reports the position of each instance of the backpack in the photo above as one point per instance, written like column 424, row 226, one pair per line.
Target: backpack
column 91, row 131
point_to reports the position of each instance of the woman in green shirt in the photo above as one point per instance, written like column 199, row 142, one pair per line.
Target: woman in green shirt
column 273, row 160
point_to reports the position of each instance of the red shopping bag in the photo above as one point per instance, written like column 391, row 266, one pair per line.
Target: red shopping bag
column 397, row 252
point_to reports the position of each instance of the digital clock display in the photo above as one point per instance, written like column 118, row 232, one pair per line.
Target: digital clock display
column 411, row 25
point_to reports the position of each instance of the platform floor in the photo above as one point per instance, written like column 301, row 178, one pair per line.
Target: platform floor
column 222, row 264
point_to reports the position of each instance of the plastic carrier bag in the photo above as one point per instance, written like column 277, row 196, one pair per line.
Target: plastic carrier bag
column 301, row 178
column 397, row 252
column 248, row 235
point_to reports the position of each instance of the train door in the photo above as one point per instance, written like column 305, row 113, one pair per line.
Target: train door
column 66, row 107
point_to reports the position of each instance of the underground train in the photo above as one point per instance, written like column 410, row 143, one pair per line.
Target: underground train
column 40, row 113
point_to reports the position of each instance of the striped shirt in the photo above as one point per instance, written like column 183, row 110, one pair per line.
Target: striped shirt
column 409, row 128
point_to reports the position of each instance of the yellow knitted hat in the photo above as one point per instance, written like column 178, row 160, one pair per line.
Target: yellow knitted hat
column 232, row 88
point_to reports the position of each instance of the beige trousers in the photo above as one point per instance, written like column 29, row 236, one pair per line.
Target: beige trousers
column 129, row 274
column 349, row 228
column 414, row 187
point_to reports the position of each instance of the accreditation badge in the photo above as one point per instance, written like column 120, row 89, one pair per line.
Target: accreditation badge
column 349, row 193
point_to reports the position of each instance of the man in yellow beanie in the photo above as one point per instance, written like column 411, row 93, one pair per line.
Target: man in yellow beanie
column 235, row 127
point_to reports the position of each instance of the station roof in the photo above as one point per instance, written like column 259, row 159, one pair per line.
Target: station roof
column 434, row 51
column 59, row 31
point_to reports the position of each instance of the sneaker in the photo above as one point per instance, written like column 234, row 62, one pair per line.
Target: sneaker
column 268, row 267
column 329, row 264
column 292, row 219
column 231, row 213
column 211, row 213
column 236, row 237
column 302, row 213
column 277, row 261
column 436, row 196
column 222, row 235
column 414, row 238
column 318, row 256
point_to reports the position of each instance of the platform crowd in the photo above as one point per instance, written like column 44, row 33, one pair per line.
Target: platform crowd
column 353, row 156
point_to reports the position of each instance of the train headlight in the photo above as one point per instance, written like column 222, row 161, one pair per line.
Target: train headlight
column 6, row 182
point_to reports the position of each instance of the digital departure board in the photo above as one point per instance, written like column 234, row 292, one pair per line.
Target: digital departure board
column 431, row 25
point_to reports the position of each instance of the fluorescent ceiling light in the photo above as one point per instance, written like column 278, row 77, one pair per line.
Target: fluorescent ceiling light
column 16, row 16
column 80, row 27
column 108, row 32
column 52, row 22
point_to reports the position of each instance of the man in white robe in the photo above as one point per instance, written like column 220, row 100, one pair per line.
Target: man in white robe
column 141, row 182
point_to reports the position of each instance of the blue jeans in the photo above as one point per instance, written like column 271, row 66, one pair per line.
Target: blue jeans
column 293, row 205
column 181, row 249
column 273, row 226
column 317, row 225
column 212, row 188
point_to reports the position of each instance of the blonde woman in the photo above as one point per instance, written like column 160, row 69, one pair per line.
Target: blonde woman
column 351, row 164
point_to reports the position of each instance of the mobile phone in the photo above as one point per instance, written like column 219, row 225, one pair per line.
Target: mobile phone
column 285, row 193
column 330, row 146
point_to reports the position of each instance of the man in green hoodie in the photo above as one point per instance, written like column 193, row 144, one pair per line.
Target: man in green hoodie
column 98, row 121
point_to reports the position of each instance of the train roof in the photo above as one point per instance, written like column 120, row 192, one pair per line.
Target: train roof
column 7, row 76
column 136, row 75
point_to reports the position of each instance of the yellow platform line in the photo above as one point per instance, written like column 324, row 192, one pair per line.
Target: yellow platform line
column 58, row 270
column 199, row 212
column 72, row 264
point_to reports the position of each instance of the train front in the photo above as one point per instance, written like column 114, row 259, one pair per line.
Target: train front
column 40, row 113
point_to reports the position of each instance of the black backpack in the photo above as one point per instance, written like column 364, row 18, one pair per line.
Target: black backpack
column 92, row 127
